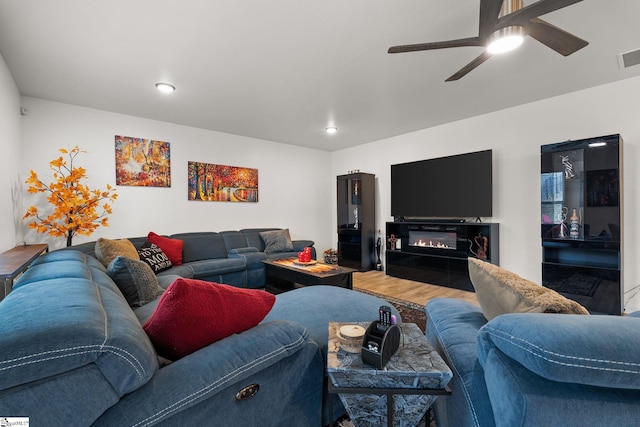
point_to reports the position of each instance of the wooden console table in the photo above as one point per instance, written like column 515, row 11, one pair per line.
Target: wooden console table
column 15, row 261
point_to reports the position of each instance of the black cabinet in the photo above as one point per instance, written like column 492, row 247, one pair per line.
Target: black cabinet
column 581, row 205
column 437, row 252
column 356, row 220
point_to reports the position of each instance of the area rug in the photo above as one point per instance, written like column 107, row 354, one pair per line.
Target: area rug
column 410, row 311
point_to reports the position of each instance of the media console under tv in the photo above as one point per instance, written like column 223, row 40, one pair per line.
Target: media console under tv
column 436, row 252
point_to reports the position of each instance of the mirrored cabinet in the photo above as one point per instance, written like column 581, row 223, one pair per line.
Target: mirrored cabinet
column 581, row 206
column 356, row 220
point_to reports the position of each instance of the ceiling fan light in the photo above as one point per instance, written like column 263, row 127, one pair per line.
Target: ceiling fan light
column 505, row 39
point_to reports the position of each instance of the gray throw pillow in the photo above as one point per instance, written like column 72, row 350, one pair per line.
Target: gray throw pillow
column 277, row 241
column 135, row 279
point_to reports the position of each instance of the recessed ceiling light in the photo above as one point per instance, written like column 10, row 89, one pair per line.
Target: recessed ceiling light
column 331, row 130
column 165, row 87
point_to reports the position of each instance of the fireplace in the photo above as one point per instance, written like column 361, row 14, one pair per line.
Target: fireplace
column 432, row 239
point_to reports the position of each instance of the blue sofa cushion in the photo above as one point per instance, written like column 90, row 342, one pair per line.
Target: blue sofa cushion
column 211, row 267
column 521, row 398
column 593, row 350
column 135, row 279
column 53, row 266
column 48, row 333
column 308, row 306
column 253, row 237
column 201, row 245
column 183, row 270
column 452, row 328
column 213, row 375
column 234, row 240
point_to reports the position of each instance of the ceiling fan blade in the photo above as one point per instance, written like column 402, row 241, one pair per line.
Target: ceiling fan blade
column 469, row 67
column 471, row 41
column 539, row 8
column 556, row 38
column 489, row 12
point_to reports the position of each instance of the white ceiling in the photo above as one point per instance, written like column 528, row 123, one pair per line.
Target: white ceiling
column 283, row 70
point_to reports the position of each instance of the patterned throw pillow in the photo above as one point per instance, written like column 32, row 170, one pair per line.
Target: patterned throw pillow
column 135, row 279
column 155, row 257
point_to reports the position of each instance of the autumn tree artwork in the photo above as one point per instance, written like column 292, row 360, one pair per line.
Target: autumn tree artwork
column 142, row 162
column 77, row 209
column 219, row 183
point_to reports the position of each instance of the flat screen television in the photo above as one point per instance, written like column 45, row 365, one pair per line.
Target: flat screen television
column 458, row 186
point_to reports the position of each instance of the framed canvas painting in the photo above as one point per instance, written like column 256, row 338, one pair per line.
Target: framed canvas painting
column 142, row 162
column 221, row 183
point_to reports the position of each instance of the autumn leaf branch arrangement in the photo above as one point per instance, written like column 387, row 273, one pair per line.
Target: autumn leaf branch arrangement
column 77, row 209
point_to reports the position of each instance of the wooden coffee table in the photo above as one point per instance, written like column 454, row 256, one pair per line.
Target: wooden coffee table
column 284, row 275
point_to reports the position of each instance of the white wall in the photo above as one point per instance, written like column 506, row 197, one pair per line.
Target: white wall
column 297, row 189
column 515, row 135
column 9, row 144
column 295, row 183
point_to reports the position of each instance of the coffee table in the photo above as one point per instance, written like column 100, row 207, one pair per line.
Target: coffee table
column 416, row 375
column 284, row 275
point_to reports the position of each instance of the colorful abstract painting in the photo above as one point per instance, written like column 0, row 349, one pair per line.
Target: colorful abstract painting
column 219, row 183
column 142, row 162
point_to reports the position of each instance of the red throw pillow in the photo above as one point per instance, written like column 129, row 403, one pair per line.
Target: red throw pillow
column 192, row 314
column 171, row 247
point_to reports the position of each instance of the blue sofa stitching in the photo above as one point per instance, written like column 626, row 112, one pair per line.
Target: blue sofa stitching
column 140, row 370
column 513, row 339
column 106, row 335
column 462, row 383
column 119, row 352
column 225, row 379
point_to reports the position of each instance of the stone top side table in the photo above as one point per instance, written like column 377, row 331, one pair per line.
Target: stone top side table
column 415, row 374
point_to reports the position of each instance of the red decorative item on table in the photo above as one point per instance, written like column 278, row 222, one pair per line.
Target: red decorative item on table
column 306, row 254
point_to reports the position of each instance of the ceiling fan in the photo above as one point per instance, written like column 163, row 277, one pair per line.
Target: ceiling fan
column 504, row 21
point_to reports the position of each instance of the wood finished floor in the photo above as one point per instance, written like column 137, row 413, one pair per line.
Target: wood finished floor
column 408, row 290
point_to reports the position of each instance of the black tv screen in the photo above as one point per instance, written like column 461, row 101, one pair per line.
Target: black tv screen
column 457, row 186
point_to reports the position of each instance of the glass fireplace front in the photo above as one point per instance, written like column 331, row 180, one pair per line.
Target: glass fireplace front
column 432, row 239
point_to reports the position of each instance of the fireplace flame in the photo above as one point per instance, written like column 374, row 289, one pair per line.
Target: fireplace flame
column 424, row 244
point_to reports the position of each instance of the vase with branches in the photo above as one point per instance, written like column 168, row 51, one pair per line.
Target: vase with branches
column 77, row 209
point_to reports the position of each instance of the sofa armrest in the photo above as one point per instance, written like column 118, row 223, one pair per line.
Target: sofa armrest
column 592, row 350
column 238, row 251
column 252, row 257
column 452, row 328
column 184, row 388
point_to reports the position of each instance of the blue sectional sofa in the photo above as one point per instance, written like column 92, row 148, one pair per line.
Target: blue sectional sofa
column 230, row 257
column 536, row 369
column 73, row 352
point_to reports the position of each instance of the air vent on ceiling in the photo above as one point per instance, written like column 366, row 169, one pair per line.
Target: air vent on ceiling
column 629, row 59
